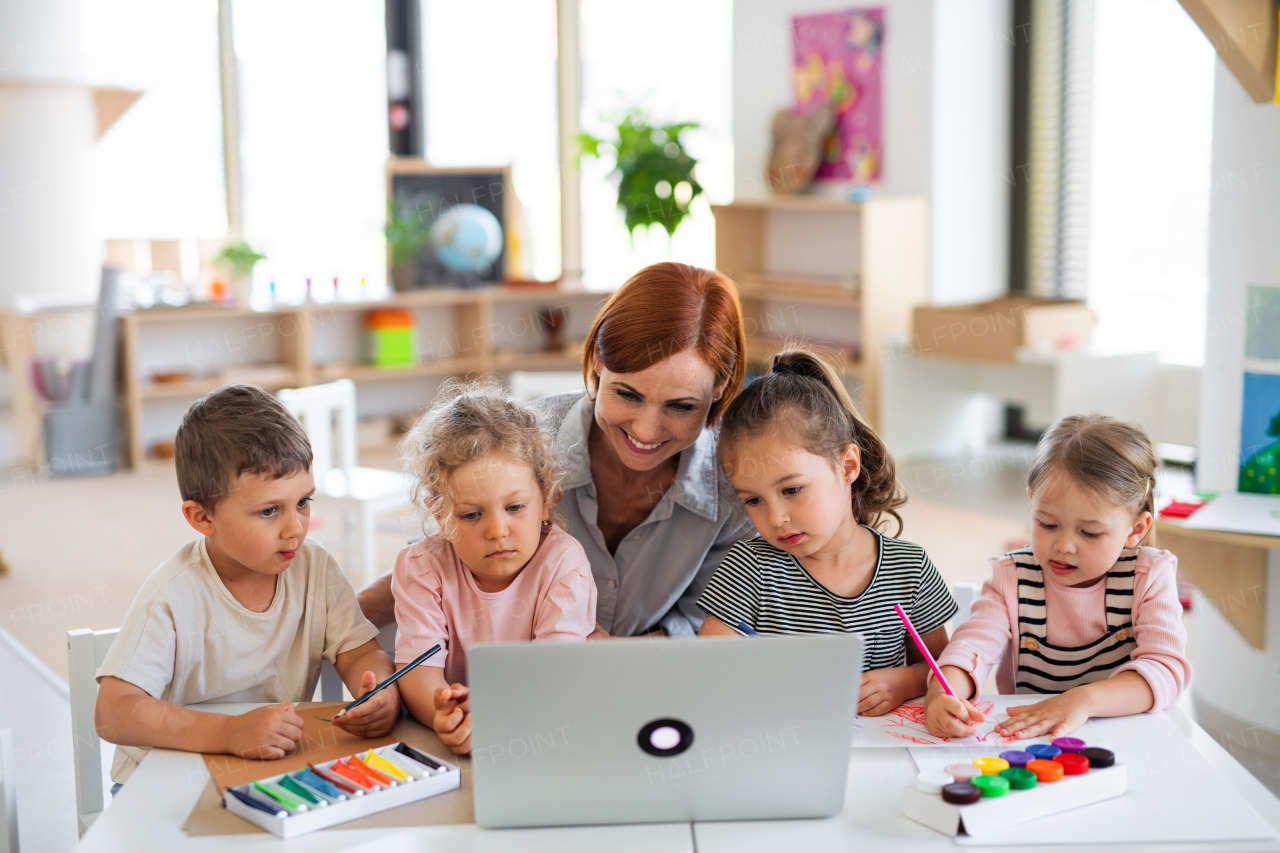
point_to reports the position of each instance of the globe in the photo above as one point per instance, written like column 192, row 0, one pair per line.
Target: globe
column 467, row 239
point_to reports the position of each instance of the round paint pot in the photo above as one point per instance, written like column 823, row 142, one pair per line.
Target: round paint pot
column 1020, row 778
column 961, row 793
column 963, row 772
column 933, row 781
column 1068, row 744
column 992, row 786
column 1045, row 770
column 1099, row 757
column 1044, row 750
column 1073, row 763
column 1016, row 757
column 990, row 766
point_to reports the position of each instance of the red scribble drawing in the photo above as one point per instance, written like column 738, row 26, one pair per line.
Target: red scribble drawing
column 906, row 722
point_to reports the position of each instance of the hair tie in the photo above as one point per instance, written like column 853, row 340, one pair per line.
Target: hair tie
column 779, row 366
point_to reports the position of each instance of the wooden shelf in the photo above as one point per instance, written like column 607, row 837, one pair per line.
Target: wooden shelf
column 1244, row 34
column 791, row 202
column 281, row 378
column 760, row 352
column 471, row 312
column 890, row 267
column 809, row 289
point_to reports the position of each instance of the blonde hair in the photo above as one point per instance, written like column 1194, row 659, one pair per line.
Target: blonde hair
column 805, row 393
column 468, row 421
column 1107, row 456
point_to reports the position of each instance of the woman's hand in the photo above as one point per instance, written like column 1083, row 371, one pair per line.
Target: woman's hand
column 452, row 720
column 885, row 689
column 1057, row 716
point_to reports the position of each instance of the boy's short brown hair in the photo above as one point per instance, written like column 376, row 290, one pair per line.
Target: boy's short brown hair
column 237, row 429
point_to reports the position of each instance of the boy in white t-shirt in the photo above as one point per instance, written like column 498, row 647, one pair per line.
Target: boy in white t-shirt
column 245, row 613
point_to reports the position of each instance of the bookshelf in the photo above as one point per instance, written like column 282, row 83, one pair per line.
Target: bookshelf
column 460, row 333
column 839, row 275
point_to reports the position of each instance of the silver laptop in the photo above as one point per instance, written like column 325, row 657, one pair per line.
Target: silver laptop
column 638, row 731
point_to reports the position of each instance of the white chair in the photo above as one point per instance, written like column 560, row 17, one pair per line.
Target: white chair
column 526, row 385
column 86, row 650
column 360, row 494
column 8, row 795
column 964, row 593
column 331, row 682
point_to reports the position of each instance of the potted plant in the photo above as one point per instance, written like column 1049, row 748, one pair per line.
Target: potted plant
column 406, row 233
column 655, row 174
column 238, row 260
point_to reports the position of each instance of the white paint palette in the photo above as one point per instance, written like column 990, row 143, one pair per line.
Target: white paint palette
column 992, row 814
column 416, row 780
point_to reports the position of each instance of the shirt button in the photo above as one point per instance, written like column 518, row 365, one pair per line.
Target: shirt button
column 1032, row 644
column 1122, row 634
column 613, row 584
column 637, row 536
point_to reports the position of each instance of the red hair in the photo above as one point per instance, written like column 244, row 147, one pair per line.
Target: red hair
column 665, row 309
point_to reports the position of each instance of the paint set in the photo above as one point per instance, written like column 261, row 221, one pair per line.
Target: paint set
column 333, row 792
column 996, row 792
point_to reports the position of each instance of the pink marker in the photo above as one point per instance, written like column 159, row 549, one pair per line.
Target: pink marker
column 928, row 658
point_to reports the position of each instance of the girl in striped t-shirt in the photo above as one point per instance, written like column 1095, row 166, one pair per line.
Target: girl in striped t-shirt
column 1087, row 614
column 817, row 483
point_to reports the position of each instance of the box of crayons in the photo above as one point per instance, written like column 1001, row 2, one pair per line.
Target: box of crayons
column 333, row 792
column 995, row 793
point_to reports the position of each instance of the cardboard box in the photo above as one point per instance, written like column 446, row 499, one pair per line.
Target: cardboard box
column 995, row 330
column 990, row 815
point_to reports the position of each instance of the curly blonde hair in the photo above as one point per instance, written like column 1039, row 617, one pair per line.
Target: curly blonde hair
column 468, row 421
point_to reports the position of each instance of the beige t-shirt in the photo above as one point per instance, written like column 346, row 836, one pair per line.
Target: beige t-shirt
column 187, row 640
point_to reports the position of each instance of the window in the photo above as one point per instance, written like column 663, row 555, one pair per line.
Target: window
column 157, row 173
column 674, row 61
column 490, row 90
column 313, row 143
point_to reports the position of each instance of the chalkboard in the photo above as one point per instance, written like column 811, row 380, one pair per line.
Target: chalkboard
column 415, row 186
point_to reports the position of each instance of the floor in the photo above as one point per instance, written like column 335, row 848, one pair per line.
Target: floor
column 78, row 555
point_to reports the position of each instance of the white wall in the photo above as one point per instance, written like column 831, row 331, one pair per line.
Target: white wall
column 1244, row 221
column 946, row 76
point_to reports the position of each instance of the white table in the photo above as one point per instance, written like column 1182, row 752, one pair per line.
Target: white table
column 149, row 811
column 872, row 819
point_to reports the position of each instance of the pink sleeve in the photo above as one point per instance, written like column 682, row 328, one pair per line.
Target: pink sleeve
column 568, row 610
column 1160, row 656
column 978, row 644
column 420, row 616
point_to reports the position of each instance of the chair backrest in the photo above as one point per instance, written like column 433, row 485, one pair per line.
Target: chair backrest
column 319, row 407
column 964, row 593
column 331, row 682
column 86, row 650
column 8, row 795
column 526, row 385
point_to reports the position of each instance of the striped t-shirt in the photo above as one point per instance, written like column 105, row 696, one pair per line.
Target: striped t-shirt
column 773, row 593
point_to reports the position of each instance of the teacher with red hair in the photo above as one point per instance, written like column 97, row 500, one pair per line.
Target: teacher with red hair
column 643, row 492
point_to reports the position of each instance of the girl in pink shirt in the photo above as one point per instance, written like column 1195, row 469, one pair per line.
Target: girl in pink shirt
column 1087, row 613
column 500, row 569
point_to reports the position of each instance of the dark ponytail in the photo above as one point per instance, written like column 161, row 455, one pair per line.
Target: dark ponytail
column 804, row 394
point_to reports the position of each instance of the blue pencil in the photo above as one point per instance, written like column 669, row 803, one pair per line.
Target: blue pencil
column 746, row 629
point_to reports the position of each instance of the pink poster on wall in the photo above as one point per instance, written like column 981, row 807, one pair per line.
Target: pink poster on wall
column 837, row 58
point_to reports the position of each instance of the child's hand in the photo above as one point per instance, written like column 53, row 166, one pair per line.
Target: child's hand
column 267, row 733
column 885, row 689
column 1057, row 716
column 452, row 720
column 950, row 716
column 374, row 718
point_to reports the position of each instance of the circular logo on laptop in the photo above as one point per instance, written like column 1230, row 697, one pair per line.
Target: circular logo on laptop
column 665, row 738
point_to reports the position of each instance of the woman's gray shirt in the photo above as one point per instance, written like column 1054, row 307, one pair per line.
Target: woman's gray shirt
column 662, row 566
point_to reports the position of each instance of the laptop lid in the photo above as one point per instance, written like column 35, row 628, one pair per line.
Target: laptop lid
column 636, row 731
